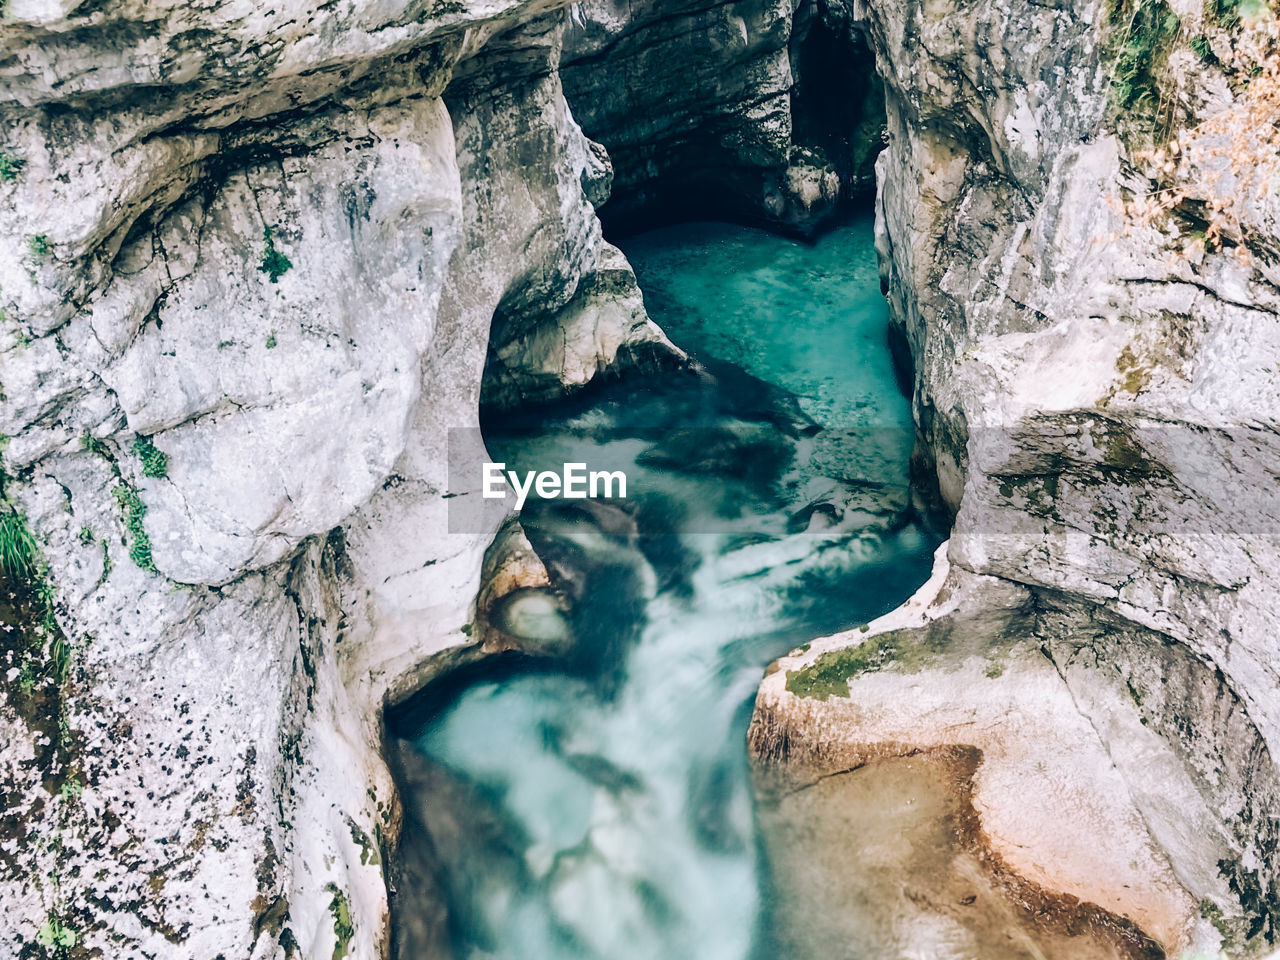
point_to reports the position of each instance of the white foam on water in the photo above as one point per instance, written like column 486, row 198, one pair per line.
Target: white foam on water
column 634, row 804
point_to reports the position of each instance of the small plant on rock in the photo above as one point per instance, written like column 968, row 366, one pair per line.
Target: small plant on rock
column 10, row 167
column 274, row 263
column 1207, row 179
column 55, row 935
column 39, row 246
column 155, row 463
column 1141, row 36
column 1203, row 49
column 343, row 927
column 27, row 676
column 134, row 512
column 17, row 546
column 271, row 340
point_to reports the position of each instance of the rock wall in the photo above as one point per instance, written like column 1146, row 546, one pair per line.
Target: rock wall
column 752, row 110
column 1095, row 348
column 255, row 255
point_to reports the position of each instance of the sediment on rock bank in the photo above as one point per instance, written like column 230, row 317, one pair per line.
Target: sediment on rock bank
column 1071, row 749
column 838, row 882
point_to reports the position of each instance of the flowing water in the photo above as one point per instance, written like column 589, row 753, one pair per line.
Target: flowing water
column 601, row 805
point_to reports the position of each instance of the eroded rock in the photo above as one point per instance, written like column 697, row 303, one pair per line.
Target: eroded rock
column 276, row 265
column 960, row 672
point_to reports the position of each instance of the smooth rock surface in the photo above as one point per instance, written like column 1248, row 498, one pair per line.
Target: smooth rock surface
column 960, row 669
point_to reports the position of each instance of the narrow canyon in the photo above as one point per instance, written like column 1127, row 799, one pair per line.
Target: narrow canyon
column 938, row 343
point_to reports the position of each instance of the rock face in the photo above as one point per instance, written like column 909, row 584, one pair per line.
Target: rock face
column 255, row 258
column 254, row 255
column 751, row 110
column 1095, row 383
column 961, row 671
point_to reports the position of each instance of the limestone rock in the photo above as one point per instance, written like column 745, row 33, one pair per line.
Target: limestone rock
column 1098, row 405
column 231, row 366
column 751, row 110
column 960, row 669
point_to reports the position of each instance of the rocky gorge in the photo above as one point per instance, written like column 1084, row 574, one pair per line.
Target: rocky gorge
column 265, row 259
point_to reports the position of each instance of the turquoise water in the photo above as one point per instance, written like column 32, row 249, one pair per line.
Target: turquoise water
column 808, row 318
column 601, row 806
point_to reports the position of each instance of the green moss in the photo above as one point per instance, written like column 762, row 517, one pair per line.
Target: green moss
column 1213, row 913
column 134, row 512
column 10, row 167
column 443, row 8
column 368, row 849
column 343, row 929
column 829, row 675
column 39, row 246
column 995, row 669
column 1122, row 454
column 274, row 263
column 271, row 340
column 904, row 651
column 154, row 462
column 1039, row 490
column 1141, row 35
column 1135, row 373
column 1134, row 693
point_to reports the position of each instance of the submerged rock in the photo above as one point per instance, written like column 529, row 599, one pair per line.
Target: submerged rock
column 886, row 861
column 753, row 452
column 534, row 617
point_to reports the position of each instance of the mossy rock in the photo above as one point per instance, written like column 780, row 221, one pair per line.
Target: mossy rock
column 343, row 927
column 1140, row 35
column 829, row 674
